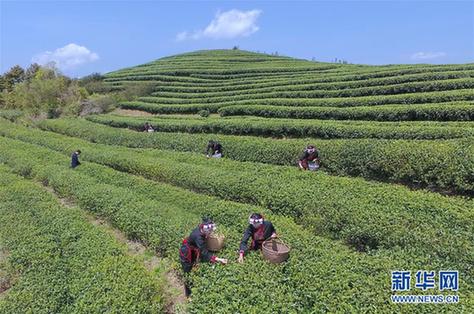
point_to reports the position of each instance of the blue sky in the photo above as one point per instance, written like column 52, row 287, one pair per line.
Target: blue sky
column 101, row 36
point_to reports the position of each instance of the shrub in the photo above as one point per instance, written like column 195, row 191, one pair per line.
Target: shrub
column 65, row 263
column 160, row 214
column 204, row 113
column 385, row 214
column 416, row 163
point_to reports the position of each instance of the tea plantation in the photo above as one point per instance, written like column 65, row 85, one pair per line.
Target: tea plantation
column 394, row 191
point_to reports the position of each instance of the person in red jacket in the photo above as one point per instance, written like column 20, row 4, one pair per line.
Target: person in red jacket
column 310, row 155
column 259, row 230
column 194, row 249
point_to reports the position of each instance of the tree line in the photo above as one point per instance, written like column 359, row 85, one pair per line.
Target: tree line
column 44, row 92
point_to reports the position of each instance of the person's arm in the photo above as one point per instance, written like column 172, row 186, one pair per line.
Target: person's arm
column 206, row 256
column 314, row 156
column 209, row 148
column 245, row 240
column 304, row 156
column 218, row 149
column 273, row 231
column 244, row 243
column 317, row 156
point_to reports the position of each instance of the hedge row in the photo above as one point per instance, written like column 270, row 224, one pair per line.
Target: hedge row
column 266, row 73
column 166, row 106
column 450, row 111
column 415, row 98
column 309, row 84
column 305, row 99
column 158, row 77
column 296, row 127
column 320, row 274
column 395, row 89
column 192, row 79
column 363, row 73
column 358, row 74
column 210, row 80
column 11, row 115
column 367, row 216
column 178, row 84
column 168, row 109
column 66, row 265
column 241, row 79
column 410, row 162
column 223, row 72
column 343, row 70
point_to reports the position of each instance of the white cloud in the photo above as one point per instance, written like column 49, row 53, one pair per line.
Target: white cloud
column 225, row 25
column 427, row 55
column 181, row 36
column 67, row 57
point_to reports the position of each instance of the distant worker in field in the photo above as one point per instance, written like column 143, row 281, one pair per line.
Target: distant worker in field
column 194, row 249
column 75, row 159
column 259, row 230
column 309, row 160
column 214, row 149
column 147, row 127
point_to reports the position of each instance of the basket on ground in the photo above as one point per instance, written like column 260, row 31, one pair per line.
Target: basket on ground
column 275, row 251
column 215, row 242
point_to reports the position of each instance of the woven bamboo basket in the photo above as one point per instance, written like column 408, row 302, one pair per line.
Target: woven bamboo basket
column 215, row 242
column 275, row 251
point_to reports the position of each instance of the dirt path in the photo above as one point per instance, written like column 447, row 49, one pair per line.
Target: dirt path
column 175, row 300
column 132, row 113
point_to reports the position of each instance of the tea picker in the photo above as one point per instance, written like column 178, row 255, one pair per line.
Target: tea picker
column 214, row 149
column 75, row 159
column 147, row 127
column 194, row 249
column 258, row 230
column 309, row 160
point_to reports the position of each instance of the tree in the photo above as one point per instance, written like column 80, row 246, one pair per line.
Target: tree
column 3, row 82
column 94, row 84
column 31, row 71
column 94, row 77
column 48, row 91
column 14, row 76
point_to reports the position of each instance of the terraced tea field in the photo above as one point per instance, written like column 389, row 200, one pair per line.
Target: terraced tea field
column 394, row 191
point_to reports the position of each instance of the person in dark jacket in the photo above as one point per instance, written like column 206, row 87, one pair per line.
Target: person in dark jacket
column 147, row 127
column 194, row 249
column 214, row 149
column 75, row 159
column 259, row 230
column 310, row 154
